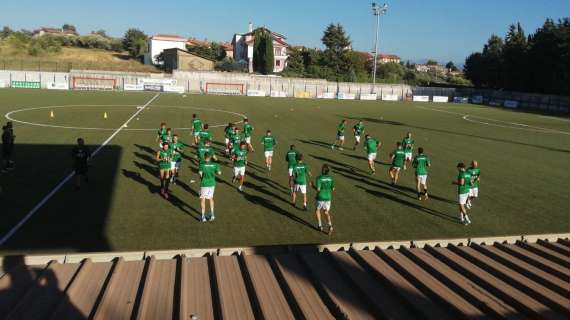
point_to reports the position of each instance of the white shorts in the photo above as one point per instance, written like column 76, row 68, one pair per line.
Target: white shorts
column 395, row 168
column 196, row 133
column 324, row 205
column 357, row 138
column 341, row 138
column 290, row 172
column 474, row 192
column 207, row 192
column 422, row 179
column 408, row 156
column 463, row 198
column 268, row 154
column 372, row 156
column 302, row 188
column 239, row 171
column 175, row 165
column 248, row 140
column 227, row 140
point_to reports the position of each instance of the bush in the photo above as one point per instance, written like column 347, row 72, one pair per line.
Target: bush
column 229, row 65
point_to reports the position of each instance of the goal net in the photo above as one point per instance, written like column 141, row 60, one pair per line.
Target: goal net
column 230, row 89
column 91, row 83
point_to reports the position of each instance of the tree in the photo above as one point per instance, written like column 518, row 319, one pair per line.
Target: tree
column 101, row 32
column 451, row 66
column 135, row 42
column 295, row 61
column 263, row 55
column 473, row 69
column 6, row 32
column 69, row 27
column 337, row 43
column 515, row 58
column 390, row 71
column 431, row 62
column 492, row 62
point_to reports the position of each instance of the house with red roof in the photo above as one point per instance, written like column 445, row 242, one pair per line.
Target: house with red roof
column 243, row 49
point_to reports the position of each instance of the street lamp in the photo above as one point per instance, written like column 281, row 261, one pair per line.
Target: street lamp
column 377, row 10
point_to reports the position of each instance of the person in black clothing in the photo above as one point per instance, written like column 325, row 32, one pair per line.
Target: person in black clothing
column 81, row 155
column 8, row 138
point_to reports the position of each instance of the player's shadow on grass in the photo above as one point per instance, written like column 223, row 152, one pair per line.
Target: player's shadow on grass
column 317, row 143
column 418, row 207
column 374, row 120
column 146, row 149
column 145, row 157
column 152, row 170
column 269, row 182
column 136, row 176
column 365, row 159
column 177, row 202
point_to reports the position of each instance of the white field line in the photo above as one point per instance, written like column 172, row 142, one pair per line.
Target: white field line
column 508, row 125
column 38, row 206
column 10, row 114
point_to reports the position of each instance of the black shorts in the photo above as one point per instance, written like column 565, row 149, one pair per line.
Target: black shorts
column 81, row 170
column 7, row 151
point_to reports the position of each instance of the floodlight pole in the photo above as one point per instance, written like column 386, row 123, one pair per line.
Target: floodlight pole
column 377, row 11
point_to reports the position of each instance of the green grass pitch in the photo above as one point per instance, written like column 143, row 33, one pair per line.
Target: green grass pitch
column 524, row 160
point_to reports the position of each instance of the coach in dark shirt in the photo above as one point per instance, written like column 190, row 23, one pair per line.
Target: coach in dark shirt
column 8, row 138
column 81, row 155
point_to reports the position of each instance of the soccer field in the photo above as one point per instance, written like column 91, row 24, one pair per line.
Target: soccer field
column 524, row 159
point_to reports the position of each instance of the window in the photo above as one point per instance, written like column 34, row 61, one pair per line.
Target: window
column 278, row 63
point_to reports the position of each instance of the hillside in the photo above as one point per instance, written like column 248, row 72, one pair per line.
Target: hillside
column 14, row 58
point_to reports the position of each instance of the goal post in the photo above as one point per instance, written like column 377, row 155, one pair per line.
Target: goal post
column 93, row 83
column 229, row 89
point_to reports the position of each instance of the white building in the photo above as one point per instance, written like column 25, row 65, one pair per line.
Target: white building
column 243, row 49
column 161, row 42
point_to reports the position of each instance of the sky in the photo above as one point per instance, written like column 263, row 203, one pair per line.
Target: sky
column 416, row 30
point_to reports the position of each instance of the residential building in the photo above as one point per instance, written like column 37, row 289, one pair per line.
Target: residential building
column 388, row 58
column 229, row 48
column 422, row 67
column 243, row 49
column 433, row 68
column 182, row 60
column 53, row 31
column 160, row 42
column 196, row 42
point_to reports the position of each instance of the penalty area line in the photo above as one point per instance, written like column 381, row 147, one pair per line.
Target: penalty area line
column 60, row 185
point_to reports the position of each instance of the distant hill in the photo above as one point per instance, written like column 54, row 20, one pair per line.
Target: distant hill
column 13, row 58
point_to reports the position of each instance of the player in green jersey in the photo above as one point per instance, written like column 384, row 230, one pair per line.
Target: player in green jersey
column 167, row 137
column 205, row 150
column 371, row 146
column 204, row 135
column 301, row 174
column 268, row 142
column 228, row 133
column 408, row 144
column 236, row 140
column 325, row 189
column 291, row 158
column 161, row 132
column 196, row 127
column 163, row 157
column 208, row 171
column 358, row 130
column 463, row 183
column 176, row 160
column 239, row 157
column 421, row 162
column 397, row 156
column 247, row 131
column 475, row 179
column 339, row 142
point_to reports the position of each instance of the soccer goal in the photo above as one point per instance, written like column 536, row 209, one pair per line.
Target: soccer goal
column 229, row 89
column 92, row 83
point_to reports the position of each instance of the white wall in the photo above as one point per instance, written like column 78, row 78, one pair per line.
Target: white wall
column 157, row 46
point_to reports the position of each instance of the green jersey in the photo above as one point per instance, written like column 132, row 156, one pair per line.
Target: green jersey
column 421, row 163
column 325, row 187
column 247, row 130
column 291, row 158
column 475, row 173
column 300, row 173
column 228, row 132
column 203, row 136
column 208, row 172
column 176, row 150
column 340, row 129
column 203, row 151
column 166, row 138
column 466, row 186
column 371, row 145
column 197, row 125
column 408, row 144
column 164, row 158
column 240, row 158
column 399, row 156
column 161, row 132
column 268, row 143
column 358, row 129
